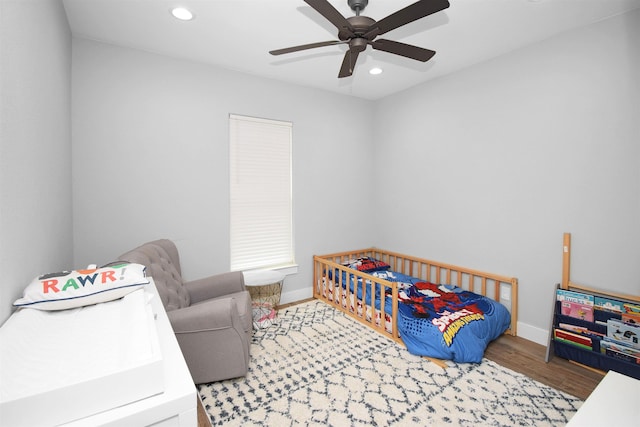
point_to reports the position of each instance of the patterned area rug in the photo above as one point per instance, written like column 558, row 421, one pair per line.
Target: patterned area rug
column 315, row 366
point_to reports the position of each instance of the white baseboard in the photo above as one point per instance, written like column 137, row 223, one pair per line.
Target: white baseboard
column 295, row 296
column 533, row 333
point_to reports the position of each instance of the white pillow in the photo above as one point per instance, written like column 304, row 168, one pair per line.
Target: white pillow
column 77, row 288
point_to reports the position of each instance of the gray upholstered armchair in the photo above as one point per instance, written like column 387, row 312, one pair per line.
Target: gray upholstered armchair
column 211, row 317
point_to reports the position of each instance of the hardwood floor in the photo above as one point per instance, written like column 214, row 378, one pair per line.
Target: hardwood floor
column 203, row 418
column 526, row 357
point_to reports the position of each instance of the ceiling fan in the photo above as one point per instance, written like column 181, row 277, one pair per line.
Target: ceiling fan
column 360, row 31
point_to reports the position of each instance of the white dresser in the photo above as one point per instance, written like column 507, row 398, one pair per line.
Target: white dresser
column 614, row 402
column 78, row 379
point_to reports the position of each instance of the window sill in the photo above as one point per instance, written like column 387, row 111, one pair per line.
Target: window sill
column 287, row 270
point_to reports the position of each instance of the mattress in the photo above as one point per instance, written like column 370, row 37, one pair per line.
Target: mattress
column 60, row 366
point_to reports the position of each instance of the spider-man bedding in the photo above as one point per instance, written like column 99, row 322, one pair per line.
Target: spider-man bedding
column 441, row 321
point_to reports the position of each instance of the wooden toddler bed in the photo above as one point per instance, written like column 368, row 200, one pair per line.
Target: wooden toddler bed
column 394, row 294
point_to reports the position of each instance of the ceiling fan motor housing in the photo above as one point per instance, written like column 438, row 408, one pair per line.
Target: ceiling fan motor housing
column 360, row 25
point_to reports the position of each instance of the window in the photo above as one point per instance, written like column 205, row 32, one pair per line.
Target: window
column 260, row 185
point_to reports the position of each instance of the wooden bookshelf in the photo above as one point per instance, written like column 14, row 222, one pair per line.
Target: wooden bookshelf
column 592, row 359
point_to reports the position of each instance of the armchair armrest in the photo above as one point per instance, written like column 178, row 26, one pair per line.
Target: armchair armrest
column 210, row 315
column 212, row 339
column 215, row 286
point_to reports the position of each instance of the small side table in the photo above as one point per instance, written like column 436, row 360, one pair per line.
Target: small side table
column 265, row 288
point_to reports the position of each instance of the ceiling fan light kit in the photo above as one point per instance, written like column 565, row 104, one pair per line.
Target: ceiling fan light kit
column 360, row 31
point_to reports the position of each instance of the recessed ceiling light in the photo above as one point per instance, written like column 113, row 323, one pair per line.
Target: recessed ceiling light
column 182, row 14
column 375, row 71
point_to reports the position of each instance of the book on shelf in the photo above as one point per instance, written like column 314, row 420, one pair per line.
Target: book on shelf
column 631, row 318
column 579, row 329
column 620, row 351
column 573, row 343
column 622, row 356
column 625, row 333
column 573, row 339
column 621, row 347
column 632, row 308
column 608, row 304
column 577, row 310
column 577, row 297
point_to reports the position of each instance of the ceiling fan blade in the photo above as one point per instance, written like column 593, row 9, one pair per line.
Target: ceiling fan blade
column 348, row 63
column 306, row 46
column 324, row 8
column 409, row 14
column 402, row 49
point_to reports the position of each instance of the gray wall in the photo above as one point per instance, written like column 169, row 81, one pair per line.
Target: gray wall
column 485, row 168
column 150, row 159
column 35, row 144
column 492, row 164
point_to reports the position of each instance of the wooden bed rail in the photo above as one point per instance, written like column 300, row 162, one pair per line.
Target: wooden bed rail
column 323, row 265
column 438, row 272
column 494, row 286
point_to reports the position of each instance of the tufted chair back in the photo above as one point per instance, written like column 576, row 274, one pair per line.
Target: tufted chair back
column 163, row 264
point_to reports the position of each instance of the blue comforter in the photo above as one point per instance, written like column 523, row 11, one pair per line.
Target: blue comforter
column 441, row 321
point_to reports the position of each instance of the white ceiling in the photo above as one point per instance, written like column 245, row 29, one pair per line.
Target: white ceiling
column 238, row 34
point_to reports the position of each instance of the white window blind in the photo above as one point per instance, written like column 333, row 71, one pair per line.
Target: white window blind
column 261, row 201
